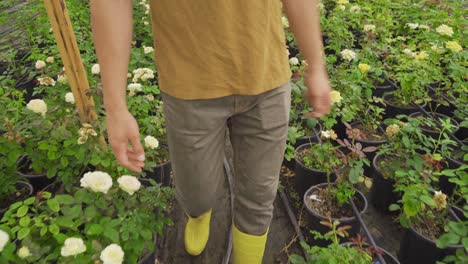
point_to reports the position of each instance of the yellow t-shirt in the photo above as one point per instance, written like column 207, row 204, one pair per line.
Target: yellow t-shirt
column 214, row 48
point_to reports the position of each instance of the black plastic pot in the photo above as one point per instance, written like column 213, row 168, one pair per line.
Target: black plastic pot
column 290, row 164
column 417, row 248
column 435, row 133
column 381, row 89
column 368, row 170
column 19, row 185
column 387, row 256
column 306, row 177
column 38, row 181
column 393, row 110
column 382, row 194
column 444, row 185
column 314, row 218
column 161, row 173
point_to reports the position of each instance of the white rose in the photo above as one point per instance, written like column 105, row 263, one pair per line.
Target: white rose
column 62, row 78
column 96, row 69
column 4, row 238
column 412, row 25
column 97, row 181
column 348, row 55
column 46, row 81
column 148, row 49
column 325, row 134
column 424, row 27
column 285, row 21
column 444, row 30
column 133, row 87
column 72, row 247
column 342, row 7
column 293, row 61
column 354, row 9
column 24, row 252
column 69, row 98
column 150, row 97
column 37, row 106
column 151, row 142
column 50, row 59
column 112, row 254
column 369, row 27
column 40, row 64
column 129, row 184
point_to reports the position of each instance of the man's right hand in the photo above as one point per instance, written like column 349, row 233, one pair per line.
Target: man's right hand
column 122, row 128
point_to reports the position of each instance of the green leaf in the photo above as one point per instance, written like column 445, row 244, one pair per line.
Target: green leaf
column 54, row 229
column 23, row 232
column 65, row 199
column 94, row 229
column 64, row 161
column 465, row 242
column 90, row 212
column 448, row 239
column 54, row 205
column 411, row 207
column 43, row 231
column 428, row 200
column 15, row 205
column 458, row 228
column 112, row 234
column 394, row 207
column 24, row 221
column 60, row 238
column 22, row 211
column 65, row 222
column 30, row 200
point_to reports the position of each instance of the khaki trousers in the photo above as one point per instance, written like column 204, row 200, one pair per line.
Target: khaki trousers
column 258, row 127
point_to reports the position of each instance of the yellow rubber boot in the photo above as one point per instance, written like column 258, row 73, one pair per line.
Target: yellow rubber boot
column 248, row 249
column 197, row 232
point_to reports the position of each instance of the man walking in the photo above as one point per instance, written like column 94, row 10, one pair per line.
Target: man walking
column 221, row 63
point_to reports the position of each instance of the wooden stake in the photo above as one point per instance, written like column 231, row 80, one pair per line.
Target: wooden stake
column 69, row 52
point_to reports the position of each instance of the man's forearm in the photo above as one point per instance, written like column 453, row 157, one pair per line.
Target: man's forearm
column 112, row 26
column 304, row 20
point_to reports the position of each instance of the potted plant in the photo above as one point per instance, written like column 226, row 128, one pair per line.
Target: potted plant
column 430, row 127
column 356, row 252
column 423, row 212
column 96, row 222
column 314, row 159
column 334, row 198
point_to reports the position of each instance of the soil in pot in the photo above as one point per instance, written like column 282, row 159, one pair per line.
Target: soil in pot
column 430, row 128
column 394, row 106
column 367, row 138
column 418, row 245
column 23, row 191
column 318, row 206
column 382, row 193
column 389, row 258
column 307, row 176
column 38, row 180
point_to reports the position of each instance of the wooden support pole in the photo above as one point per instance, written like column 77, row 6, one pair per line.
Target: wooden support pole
column 61, row 26
column 69, row 52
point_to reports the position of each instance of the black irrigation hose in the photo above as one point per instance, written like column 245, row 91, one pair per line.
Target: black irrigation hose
column 358, row 216
column 460, row 143
column 293, row 220
column 229, row 177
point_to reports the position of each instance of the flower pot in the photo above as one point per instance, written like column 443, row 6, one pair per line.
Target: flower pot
column 314, row 217
column 38, row 181
column 20, row 185
column 392, row 110
column 290, row 164
column 435, row 132
column 387, row 256
column 161, row 173
column 444, row 185
column 381, row 89
column 368, row 170
column 306, row 177
column 417, row 248
column 382, row 194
